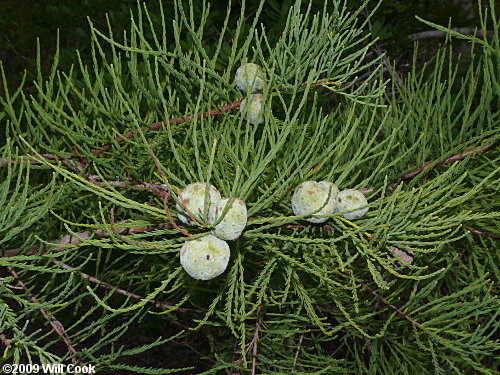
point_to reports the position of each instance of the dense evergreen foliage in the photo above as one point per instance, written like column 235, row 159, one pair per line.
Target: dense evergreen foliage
column 93, row 157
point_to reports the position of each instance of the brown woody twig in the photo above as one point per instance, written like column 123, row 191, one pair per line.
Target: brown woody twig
column 77, row 238
column 483, row 233
column 158, row 189
column 255, row 340
column 155, row 126
column 4, row 340
column 67, row 160
column 298, row 350
column 426, row 166
column 56, row 324
column 451, row 159
column 123, row 292
column 385, row 301
column 433, row 34
column 160, row 124
column 252, row 345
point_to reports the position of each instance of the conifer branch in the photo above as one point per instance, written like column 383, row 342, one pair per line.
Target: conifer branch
column 77, row 238
column 448, row 160
column 158, row 189
column 385, row 301
column 160, row 124
column 180, row 120
column 130, row 134
column 429, row 165
column 55, row 324
column 452, row 316
column 123, row 292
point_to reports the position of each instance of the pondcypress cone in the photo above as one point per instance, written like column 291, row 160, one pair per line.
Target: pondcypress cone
column 205, row 258
column 234, row 221
column 250, row 77
column 350, row 199
column 192, row 198
column 311, row 196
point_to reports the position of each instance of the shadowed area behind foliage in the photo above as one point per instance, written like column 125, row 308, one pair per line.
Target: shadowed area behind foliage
column 23, row 21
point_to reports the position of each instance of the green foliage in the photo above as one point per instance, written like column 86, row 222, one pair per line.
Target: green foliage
column 295, row 298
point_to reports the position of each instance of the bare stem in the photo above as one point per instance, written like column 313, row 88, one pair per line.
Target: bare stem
column 158, row 189
column 385, row 301
column 123, row 292
column 451, row 159
column 4, row 340
column 255, row 340
column 433, row 34
column 426, row 166
column 483, row 233
column 298, row 351
column 56, row 324
column 252, row 345
column 160, row 124
column 77, row 238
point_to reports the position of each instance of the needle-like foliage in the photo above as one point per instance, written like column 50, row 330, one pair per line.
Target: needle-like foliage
column 94, row 158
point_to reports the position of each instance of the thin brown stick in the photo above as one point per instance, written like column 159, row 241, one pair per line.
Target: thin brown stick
column 77, row 238
column 123, row 292
column 83, row 161
column 56, row 324
column 67, row 160
column 4, row 162
column 255, row 340
column 385, row 301
column 451, row 159
column 325, row 83
column 174, row 224
column 160, row 124
column 483, row 233
column 394, row 307
column 433, row 34
column 4, row 340
column 158, row 189
column 252, row 345
column 294, row 226
column 157, row 164
column 297, row 351
column 428, row 165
